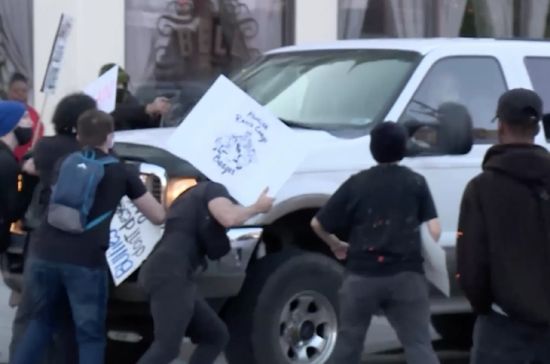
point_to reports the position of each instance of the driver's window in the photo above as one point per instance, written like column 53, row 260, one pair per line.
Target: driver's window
column 473, row 84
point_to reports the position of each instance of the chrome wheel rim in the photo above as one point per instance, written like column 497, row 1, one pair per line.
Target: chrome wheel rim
column 308, row 328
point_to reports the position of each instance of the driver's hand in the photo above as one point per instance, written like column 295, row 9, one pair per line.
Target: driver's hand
column 160, row 106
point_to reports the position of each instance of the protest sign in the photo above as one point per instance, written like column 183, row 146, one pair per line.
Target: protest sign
column 103, row 90
column 235, row 141
column 435, row 263
column 132, row 239
column 56, row 55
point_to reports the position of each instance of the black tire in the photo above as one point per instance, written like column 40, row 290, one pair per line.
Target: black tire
column 455, row 329
column 121, row 352
column 305, row 288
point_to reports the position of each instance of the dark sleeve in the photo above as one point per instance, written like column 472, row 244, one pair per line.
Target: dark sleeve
column 216, row 190
column 473, row 252
column 42, row 160
column 335, row 215
column 427, row 210
column 133, row 117
column 9, row 195
column 134, row 186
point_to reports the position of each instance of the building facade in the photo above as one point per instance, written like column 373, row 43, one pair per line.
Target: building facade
column 162, row 43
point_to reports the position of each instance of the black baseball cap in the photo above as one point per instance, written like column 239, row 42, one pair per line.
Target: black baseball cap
column 519, row 106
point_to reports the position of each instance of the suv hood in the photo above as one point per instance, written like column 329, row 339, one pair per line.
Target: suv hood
column 327, row 151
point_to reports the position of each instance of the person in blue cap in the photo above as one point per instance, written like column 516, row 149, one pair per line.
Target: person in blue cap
column 15, row 130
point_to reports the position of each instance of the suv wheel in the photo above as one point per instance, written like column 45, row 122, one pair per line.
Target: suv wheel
column 288, row 313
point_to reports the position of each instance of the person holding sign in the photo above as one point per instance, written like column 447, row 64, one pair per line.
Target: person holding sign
column 129, row 113
column 67, row 252
column 195, row 229
column 380, row 210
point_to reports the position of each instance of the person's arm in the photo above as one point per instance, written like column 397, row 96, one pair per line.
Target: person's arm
column 229, row 214
column 473, row 271
column 434, row 228
column 29, row 167
column 133, row 116
column 151, row 208
column 334, row 217
column 144, row 201
column 337, row 246
column 427, row 213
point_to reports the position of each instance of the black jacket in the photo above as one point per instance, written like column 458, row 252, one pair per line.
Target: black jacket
column 129, row 114
column 10, row 204
column 503, row 249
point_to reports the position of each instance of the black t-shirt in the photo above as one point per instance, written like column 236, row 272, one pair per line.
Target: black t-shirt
column 379, row 211
column 180, row 244
column 47, row 152
column 88, row 248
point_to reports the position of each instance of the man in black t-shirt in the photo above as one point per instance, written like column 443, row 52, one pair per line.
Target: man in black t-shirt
column 177, row 307
column 46, row 154
column 380, row 210
column 74, row 263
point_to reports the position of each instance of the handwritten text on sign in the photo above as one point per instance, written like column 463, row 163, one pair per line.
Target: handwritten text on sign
column 132, row 239
column 239, row 145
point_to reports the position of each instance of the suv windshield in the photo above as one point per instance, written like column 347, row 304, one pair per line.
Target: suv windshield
column 329, row 89
column 322, row 89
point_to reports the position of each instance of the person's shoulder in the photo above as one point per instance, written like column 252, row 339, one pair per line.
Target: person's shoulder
column 412, row 175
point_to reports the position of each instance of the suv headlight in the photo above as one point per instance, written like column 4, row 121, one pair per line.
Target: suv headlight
column 176, row 186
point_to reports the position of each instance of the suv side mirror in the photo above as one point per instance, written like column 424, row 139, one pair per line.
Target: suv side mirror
column 450, row 133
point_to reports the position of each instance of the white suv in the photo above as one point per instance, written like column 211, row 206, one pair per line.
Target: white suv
column 278, row 288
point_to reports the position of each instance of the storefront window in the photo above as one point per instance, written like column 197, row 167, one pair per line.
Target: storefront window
column 16, row 47
column 443, row 18
column 186, row 44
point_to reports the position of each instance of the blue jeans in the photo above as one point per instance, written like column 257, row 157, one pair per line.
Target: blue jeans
column 86, row 290
column 501, row 340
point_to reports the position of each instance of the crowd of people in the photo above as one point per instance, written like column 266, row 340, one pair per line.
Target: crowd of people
column 503, row 240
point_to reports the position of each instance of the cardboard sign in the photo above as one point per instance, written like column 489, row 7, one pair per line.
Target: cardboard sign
column 103, row 90
column 57, row 54
column 131, row 241
column 435, row 263
column 235, row 141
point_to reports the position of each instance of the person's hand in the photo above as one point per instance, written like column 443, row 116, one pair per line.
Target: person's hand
column 29, row 167
column 160, row 106
column 340, row 250
column 264, row 202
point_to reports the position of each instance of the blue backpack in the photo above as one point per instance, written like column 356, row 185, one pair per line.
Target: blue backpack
column 74, row 192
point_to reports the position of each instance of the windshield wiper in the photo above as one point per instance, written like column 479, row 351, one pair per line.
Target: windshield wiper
column 300, row 125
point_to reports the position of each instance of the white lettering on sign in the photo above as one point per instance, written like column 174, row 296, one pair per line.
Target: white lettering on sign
column 131, row 241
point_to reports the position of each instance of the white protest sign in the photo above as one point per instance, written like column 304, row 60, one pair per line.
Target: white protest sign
column 235, row 141
column 103, row 90
column 56, row 55
column 131, row 240
column 435, row 263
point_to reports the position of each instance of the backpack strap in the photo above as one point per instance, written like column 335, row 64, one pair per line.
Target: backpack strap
column 90, row 154
column 98, row 220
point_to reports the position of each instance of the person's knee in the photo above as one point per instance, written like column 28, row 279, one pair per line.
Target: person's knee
column 221, row 338
column 170, row 347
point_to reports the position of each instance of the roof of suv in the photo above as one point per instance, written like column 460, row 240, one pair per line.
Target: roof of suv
column 421, row 45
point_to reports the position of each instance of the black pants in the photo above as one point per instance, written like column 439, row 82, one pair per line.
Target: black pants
column 404, row 300
column 177, row 310
column 501, row 340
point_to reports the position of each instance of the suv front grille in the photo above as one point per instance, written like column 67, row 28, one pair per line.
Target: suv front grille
column 153, row 184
